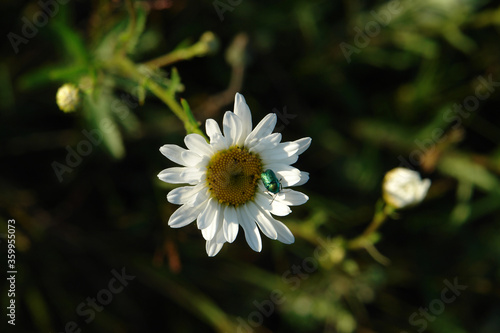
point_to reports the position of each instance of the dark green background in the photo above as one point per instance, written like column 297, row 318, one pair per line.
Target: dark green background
column 363, row 116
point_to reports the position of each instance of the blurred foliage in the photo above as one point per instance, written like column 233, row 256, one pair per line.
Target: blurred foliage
column 408, row 94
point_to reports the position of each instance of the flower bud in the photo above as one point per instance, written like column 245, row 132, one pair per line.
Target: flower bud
column 404, row 187
column 210, row 42
column 68, row 97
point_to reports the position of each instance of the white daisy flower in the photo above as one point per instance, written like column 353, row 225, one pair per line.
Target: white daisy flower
column 403, row 187
column 225, row 188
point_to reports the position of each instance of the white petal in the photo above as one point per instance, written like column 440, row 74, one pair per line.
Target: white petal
column 290, row 160
column 200, row 197
column 184, row 216
column 263, row 199
column 261, row 219
column 281, row 168
column 190, row 158
column 219, row 142
column 213, row 248
column 303, row 143
column 207, row 216
column 279, row 208
column 399, row 202
column 282, row 151
column 209, row 232
column 242, row 110
column 183, row 194
column 173, row 153
column 252, row 234
column 403, row 187
column 275, row 207
column 180, row 175
column 231, row 224
column 198, row 144
column 269, row 142
column 180, row 155
column 263, row 129
column 284, row 234
column 232, row 128
column 289, row 177
column 292, row 198
column 215, row 244
column 422, row 189
column 212, row 128
column 304, row 177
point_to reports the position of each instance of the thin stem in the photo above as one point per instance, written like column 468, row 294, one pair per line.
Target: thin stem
column 372, row 250
column 130, row 27
column 170, row 58
column 235, row 56
column 129, row 69
column 366, row 239
column 207, row 44
column 190, row 123
column 190, row 114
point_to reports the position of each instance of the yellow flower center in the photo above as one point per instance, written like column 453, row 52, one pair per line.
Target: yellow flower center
column 232, row 175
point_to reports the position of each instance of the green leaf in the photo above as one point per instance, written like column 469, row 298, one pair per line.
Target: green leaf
column 136, row 25
column 464, row 169
column 97, row 108
column 124, row 116
column 49, row 74
column 175, row 85
column 71, row 42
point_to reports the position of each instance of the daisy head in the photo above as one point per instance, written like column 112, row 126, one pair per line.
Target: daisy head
column 225, row 180
column 403, row 188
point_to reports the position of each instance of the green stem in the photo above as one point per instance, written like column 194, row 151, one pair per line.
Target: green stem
column 190, row 115
column 207, row 44
column 171, row 58
column 51, row 74
column 127, row 68
column 366, row 238
column 125, row 37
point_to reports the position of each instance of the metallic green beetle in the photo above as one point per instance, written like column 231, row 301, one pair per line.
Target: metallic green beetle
column 270, row 181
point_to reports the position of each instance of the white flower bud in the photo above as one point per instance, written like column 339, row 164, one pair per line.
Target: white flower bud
column 68, row 97
column 404, row 187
